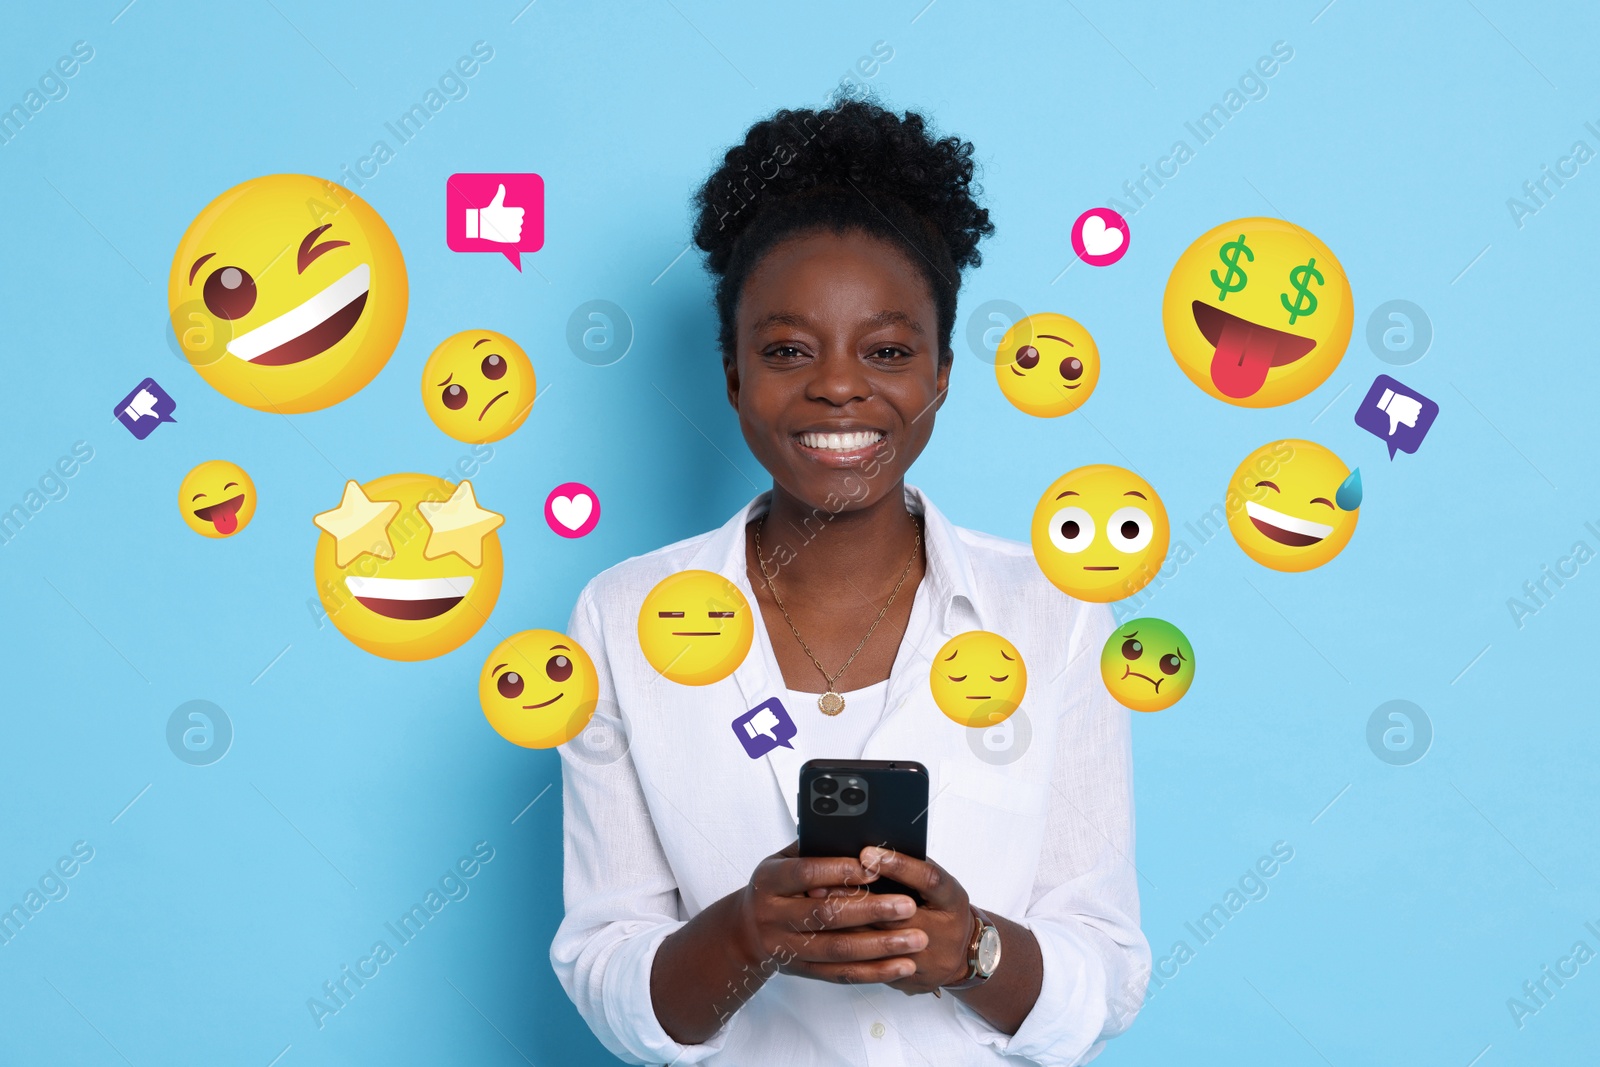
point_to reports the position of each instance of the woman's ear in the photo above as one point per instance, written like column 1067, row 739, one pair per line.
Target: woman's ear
column 730, row 368
column 942, row 378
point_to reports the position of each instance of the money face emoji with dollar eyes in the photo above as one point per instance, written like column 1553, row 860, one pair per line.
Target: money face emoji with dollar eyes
column 1257, row 312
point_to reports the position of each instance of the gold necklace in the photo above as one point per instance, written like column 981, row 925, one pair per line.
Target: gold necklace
column 831, row 703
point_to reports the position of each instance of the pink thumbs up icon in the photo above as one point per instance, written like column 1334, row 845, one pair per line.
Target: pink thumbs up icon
column 501, row 213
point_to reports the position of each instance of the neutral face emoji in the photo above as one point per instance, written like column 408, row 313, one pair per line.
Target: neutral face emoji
column 1147, row 664
column 1292, row 505
column 217, row 499
column 288, row 293
column 538, row 689
column 978, row 679
column 695, row 627
column 1100, row 533
column 478, row 386
column 408, row 565
column 1257, row 312
column 1047, row 365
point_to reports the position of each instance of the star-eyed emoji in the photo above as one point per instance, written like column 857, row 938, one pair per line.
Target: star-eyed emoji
column 408, row 566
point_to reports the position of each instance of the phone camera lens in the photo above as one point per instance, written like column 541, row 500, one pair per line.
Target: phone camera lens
column 826, row 786
column 824, row 805
column 853, row 795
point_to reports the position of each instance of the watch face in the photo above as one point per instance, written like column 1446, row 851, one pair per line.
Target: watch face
column 988, row 950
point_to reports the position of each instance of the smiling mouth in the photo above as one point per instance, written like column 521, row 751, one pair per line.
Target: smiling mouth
column 840, row 443
column 1245, row 352
column 409, row 599
column 1129, row 673
column 1285, row 529
column 490, row 404
column 310, row 329
column 224, row 514
column 543, row 703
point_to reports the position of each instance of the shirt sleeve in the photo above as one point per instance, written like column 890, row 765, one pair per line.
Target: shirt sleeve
column 620, row 894
column 1085, row 901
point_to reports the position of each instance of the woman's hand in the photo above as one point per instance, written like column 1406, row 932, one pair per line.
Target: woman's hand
column 945, row 919
column 814, row 917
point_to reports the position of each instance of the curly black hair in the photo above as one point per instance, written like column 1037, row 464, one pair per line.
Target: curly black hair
column 851, row 166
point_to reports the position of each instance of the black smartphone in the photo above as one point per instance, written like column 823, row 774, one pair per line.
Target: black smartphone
column 846, row 805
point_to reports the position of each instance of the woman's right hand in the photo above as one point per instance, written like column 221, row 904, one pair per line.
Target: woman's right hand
column 813, row 916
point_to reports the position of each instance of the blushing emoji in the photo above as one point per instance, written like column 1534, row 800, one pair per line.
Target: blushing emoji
column 1047, row 365
column 1100, row 533
column 408, row 566
column 478, row 386
column 217, row 499
column 1292, row 505
column 1147, row 664
column 695, row 627
column 538, row 689
column 978, row 679
column 1257, row 312
column 288, row 293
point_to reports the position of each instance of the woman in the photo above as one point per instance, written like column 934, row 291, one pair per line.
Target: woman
column 693, row 931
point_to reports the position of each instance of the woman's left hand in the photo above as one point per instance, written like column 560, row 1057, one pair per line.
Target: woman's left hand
column 945, row 916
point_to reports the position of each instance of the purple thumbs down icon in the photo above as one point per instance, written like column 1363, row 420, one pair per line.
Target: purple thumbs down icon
column 765, row 727
column 1396, row 415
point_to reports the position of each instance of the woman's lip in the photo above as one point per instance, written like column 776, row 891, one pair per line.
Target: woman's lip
column 830, row 458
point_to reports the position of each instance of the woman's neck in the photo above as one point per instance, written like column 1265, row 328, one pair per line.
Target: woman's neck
column 811, row 551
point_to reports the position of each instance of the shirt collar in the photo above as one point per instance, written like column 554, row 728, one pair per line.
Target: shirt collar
column 948, row 581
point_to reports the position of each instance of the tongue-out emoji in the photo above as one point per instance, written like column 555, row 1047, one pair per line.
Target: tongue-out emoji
column 1257, row 312
column 217, row 499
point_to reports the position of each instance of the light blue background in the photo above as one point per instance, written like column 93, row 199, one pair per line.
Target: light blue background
column 223, row 898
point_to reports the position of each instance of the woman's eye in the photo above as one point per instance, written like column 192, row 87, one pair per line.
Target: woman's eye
column 509, row 684
column 1132, row 649
column 559, row 668
column 494, row 368
column 785, row 352
column 1071, row 529
column 455, row 397
column 1129, row 529
column 1170, row 664
column 229, row 293
column 891, row 352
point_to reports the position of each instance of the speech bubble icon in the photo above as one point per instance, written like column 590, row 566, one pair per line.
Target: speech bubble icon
column 764, row 728
column 1396, row 414
column 502, row 213
column 145, row 408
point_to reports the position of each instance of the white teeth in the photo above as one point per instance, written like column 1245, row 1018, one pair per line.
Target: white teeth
column 841, row 442
column 1305, row 527
column 296, row 321
column 408, row 588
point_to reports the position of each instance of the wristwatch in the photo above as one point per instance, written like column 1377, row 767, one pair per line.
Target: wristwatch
column 983, row 952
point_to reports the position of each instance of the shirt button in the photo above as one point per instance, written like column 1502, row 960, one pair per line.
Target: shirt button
column 877, row 1030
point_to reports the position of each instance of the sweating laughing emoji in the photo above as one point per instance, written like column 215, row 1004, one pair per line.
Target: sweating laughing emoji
column 1257, row 312
column 288, row 293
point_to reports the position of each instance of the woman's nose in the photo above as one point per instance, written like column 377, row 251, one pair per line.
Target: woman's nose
column 838, row 377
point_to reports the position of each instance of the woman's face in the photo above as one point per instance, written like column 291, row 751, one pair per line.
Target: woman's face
column 836, row 375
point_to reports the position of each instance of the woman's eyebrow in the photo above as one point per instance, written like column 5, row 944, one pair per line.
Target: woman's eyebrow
column 894, row 318
column 782, row 318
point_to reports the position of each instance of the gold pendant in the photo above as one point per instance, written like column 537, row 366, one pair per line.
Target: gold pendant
column 830, row 703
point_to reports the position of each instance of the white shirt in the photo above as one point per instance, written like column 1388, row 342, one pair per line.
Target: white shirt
column 841, row 736
column 673, row 815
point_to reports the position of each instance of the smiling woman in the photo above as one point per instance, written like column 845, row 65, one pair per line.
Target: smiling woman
column 280, row 315
column 694, row 930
